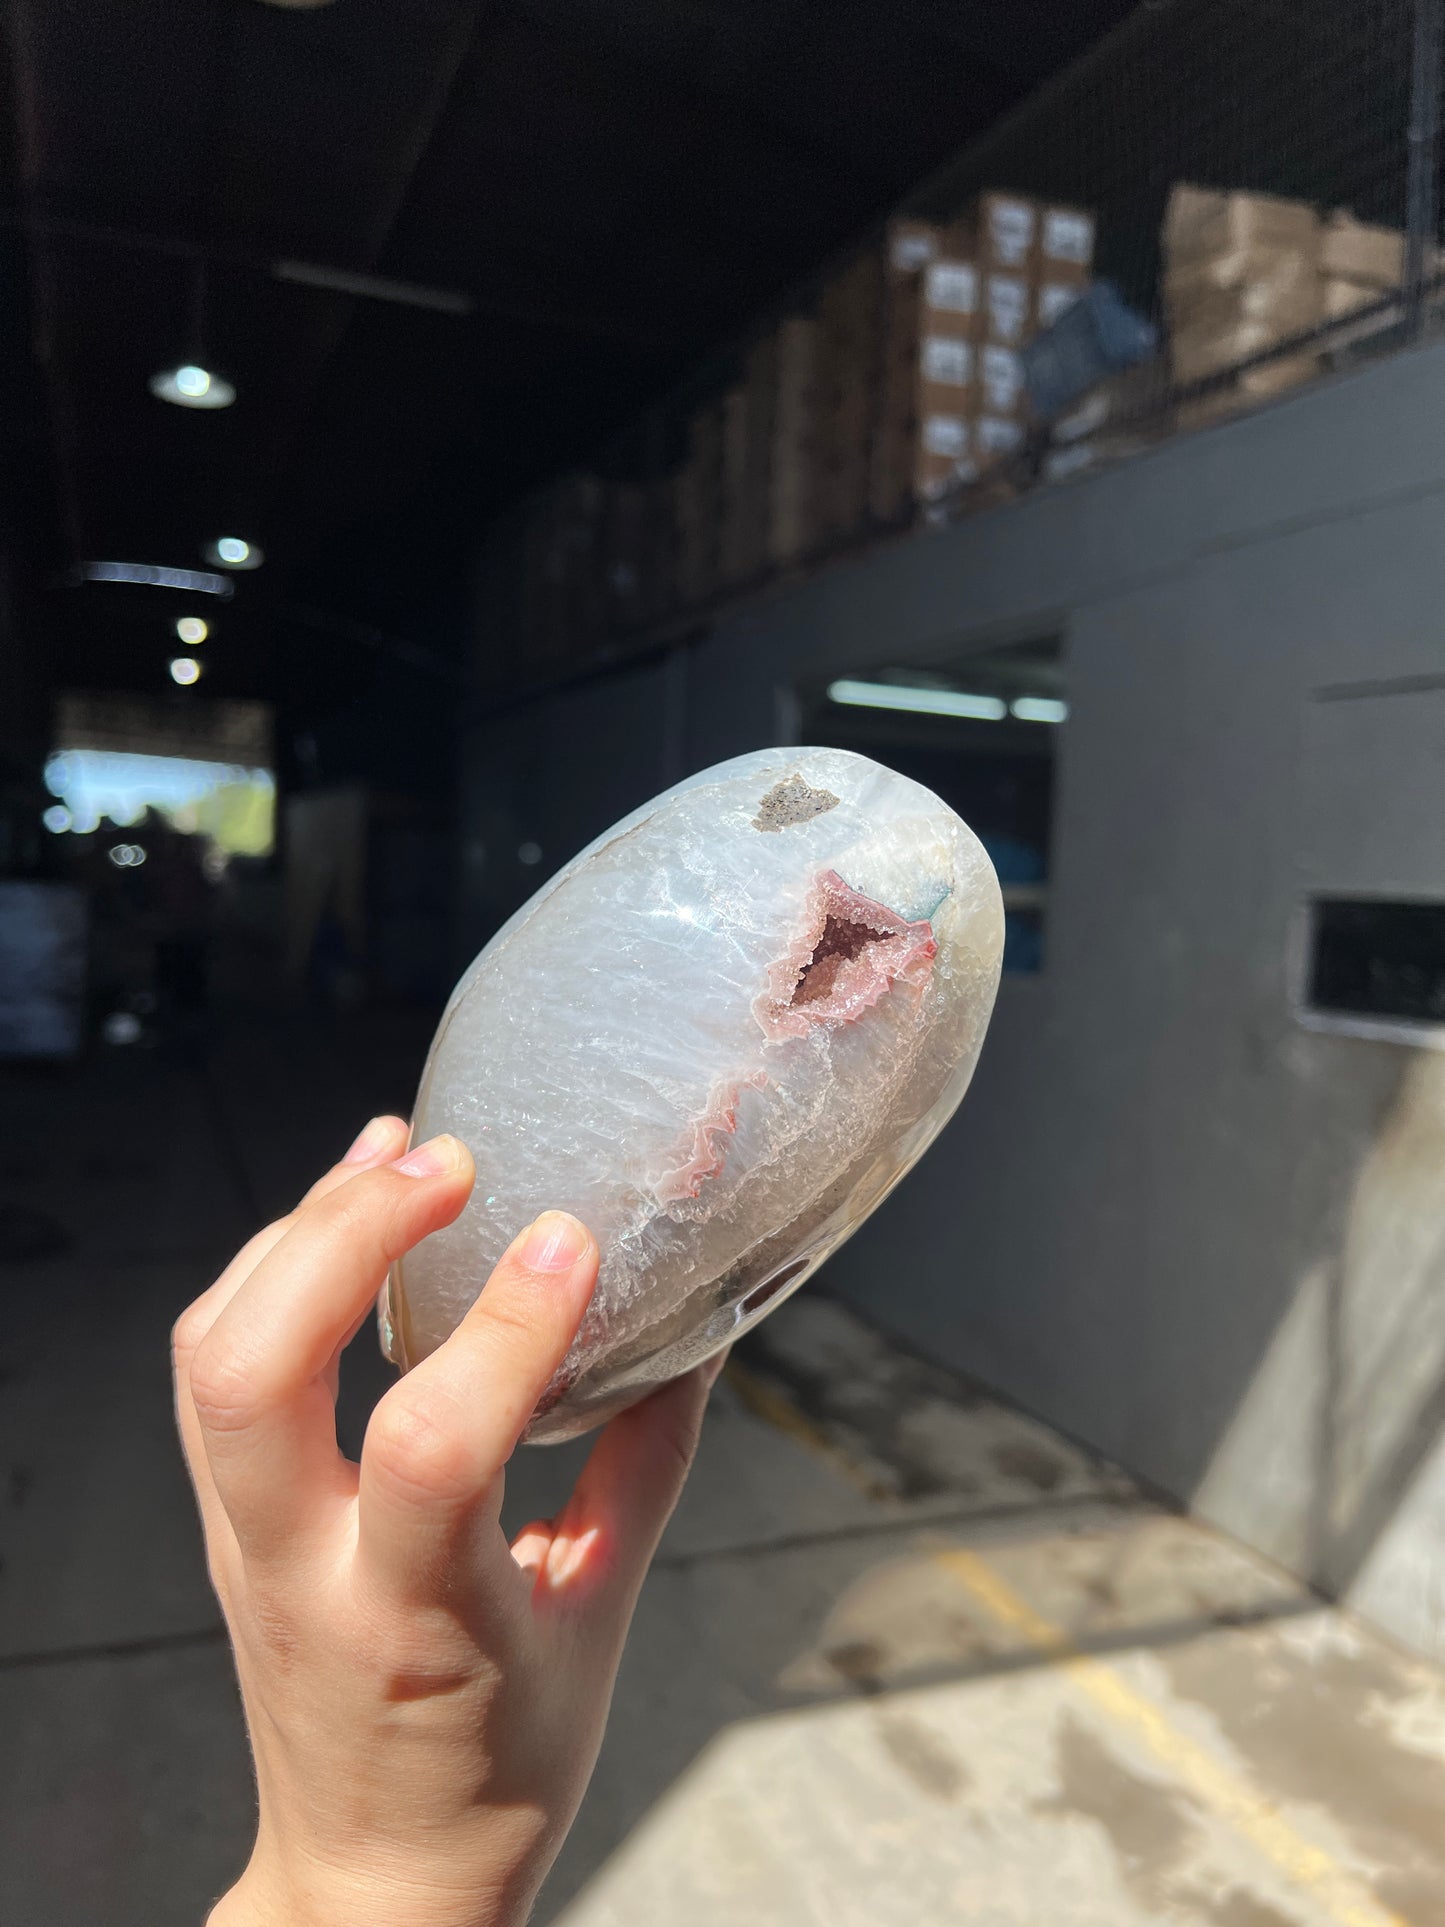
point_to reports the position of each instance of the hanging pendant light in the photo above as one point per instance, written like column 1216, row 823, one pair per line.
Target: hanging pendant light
column 192, row 386
column 233, row 552
column 193, row 383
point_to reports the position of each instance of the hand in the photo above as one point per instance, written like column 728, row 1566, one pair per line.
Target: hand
column 425, row 1702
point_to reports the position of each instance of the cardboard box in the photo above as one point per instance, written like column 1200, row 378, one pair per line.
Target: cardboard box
column 850, row 317
column 792, row 518
column 1065, row 253
column 1006, row 227
column 1227, row 237
column 942, row 456
column 1008, row 309
column 1360, row 265
column 733, row 507
column 933, row 339
column 952, row 297
column 910, row 249
column 1351, row 250
column 697, row 508
column 947, row 361
column 1242, row 274
column 910, row 245
column 760, row 384
column 1001, row 381
column 995, row 436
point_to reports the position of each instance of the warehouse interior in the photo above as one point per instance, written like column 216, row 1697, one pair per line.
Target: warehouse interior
column 424, row 441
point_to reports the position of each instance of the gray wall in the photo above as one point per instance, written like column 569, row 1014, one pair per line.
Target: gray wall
column 1170, row 1217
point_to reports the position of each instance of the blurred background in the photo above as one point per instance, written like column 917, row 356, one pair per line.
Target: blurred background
column 426, row 433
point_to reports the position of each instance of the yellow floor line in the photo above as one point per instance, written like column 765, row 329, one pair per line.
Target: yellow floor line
column 765, row 1401
column 1310, row 1869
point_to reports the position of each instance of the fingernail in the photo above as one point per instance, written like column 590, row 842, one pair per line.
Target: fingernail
column 554, row 1243
column 432, row 1159
column 372, row 1140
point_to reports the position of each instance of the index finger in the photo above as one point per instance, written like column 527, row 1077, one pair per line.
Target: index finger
column 383, row 1138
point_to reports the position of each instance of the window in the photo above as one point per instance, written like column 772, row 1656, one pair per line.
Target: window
column 1377, row 959
column 206, row 767
column 981, row 732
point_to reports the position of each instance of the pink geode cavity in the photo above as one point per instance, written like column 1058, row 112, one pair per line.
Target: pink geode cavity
column 849, row 954
column 706, row 1149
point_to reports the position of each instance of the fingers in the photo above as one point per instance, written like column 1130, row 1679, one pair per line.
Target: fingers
column 382, row 1139
column 258, row 1379
column 439, row 1439
column 603, row 1543
column 532, row 1544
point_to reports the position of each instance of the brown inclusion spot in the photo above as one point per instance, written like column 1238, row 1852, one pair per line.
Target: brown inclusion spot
column 792, row 801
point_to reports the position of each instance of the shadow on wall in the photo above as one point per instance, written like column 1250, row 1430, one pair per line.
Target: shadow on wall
column 1346, row 1413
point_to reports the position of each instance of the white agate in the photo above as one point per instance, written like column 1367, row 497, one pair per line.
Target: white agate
column 719, row 1036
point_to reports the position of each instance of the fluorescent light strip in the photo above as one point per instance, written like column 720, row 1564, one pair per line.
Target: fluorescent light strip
column 924, row 702
column 151, row 575
column 406, row 294
column 1039, row 709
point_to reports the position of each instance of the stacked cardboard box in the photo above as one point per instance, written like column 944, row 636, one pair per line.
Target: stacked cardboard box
column 849, row 323
column 1241, row 275
column 1064, row 263
column 748, row 423
column 1036, row 259
column 1007, row 231
column 947, row 372
column 1359, row 266
column 909, row 248
column 793, row 504
column 927, row 380
column 697, row 495
column 732, row 507
column 959, row 305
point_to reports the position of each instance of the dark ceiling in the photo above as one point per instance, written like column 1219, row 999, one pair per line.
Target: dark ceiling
column 610, row 186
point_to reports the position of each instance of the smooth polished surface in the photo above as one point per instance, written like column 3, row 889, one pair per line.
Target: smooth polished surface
column 720, row 1037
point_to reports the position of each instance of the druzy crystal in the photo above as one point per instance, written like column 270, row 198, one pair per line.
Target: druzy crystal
column 719, row 1036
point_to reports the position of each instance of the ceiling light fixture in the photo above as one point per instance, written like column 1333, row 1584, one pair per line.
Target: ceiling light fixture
column 192, row 630
column 185, row 669
column 1039, row 709
column 192, row 386
column 152, row 575
column 922, row 702
column 231, row 552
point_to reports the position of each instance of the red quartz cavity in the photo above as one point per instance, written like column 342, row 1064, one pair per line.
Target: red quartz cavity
column 850, row 952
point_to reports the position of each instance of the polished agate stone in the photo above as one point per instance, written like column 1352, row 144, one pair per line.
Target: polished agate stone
column 719, row 1036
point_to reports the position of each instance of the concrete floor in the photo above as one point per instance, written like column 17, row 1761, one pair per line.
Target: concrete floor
column 906, row 1656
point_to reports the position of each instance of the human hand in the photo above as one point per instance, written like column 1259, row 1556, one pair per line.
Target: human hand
column 425, row 1702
